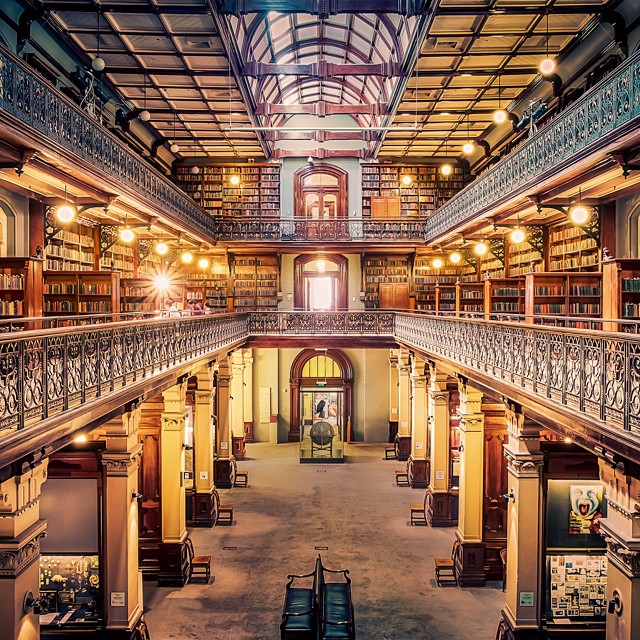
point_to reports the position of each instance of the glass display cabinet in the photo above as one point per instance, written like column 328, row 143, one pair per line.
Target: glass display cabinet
column 322, row 425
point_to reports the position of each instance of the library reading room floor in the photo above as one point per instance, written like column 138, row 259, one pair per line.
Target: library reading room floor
column 356, row 511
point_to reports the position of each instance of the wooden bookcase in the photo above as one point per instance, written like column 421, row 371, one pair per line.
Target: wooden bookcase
column 379, row 272
column 71, row 249
column 571, row 249
column 150, row 266
column 621, row 290
column 563, row 294
column 446, row 298
column 72, row 292
column 255, row 282
column 210, row 287
column 504, row 295
column 20, row 287
column 120, row 257
column 492, row 267
column 258, row 192
column 470, row 298
column 426, row 277
column 139, row 295
column 385, row 196
column 520, row 258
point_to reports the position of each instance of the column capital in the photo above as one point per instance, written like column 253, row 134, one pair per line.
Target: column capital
column 173, row 421
column 205, row 377
column 20, row 552
column 438, row 396
column 393, row 358
column 523, row 465
column 20, row 493
column 519, row 425
column 247, row 356
column 621, row 550
column 121, row 463
column 175, row 397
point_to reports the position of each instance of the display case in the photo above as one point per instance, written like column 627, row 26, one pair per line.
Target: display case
column 69, row 590
column 322, row 425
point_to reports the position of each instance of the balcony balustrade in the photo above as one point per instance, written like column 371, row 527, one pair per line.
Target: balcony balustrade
column 27, row 97
column 590, row 374
column 589, row 124
column 274, row 229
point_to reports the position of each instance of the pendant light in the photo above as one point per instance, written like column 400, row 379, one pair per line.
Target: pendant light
column 203, row 263
column 577, row 213
column 145, row 116
column 446, row 169
column 66, row 212
column 437, row 263
column 468, row 146
column 98, row 64
column 547, row 66
column 481, row 248
column 174, row 148
column 500, row 115
column 187, row 257
column 517, row 236
column 455, row 257
column 162, row 248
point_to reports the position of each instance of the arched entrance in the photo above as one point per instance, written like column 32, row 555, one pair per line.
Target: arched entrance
column 320, row 192
column 320, row 370
column 320, row 282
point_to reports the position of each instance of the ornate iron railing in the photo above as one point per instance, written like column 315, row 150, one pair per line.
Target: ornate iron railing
column 295, row 323
column 586, row 125
column 35, row 103
column 46, row 372
column 596, row 373
column 273, row 229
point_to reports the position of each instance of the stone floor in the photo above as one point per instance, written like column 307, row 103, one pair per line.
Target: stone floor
column 357, row 512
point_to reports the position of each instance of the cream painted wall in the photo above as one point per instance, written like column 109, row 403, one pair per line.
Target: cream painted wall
column 14, row 218
column 272, row 368
column 353, row 286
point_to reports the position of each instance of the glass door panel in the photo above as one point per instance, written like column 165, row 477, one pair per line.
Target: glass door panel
column 321, row 425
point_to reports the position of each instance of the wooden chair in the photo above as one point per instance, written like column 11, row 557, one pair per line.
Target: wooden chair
column 445, row 567
column 503, row 557
column 402, row 477
column 200, row 565
column 224, row 512
column 240, row 477
column 419, row 512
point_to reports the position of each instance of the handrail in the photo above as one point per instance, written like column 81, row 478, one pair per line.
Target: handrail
column 35, row 102
column 610, row 105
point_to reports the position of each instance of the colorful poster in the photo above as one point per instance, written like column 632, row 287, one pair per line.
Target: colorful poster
column 585, row 508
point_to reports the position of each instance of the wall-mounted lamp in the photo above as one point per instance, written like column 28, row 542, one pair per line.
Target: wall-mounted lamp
column 615, row 604
column 138, row 497
column 509, row 497
column 31, row 602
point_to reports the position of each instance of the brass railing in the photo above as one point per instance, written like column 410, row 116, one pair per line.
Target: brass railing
column 35, row 103
column 274, row 229
column 310, row 323
column 587, row 125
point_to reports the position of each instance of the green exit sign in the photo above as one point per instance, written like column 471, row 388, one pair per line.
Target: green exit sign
column 321, row 384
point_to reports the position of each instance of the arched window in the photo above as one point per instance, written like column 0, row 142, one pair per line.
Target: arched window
column 320, row 192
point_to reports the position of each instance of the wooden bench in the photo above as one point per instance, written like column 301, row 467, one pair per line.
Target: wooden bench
column 240, row 476
column 224, row 512
column 402, row 477
column 200, row 565
column 418, row 512
column 335, row 605
column 445, row 567
column 300, row 611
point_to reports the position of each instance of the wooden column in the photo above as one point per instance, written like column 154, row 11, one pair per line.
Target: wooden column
column 419, row 459
column 404, row 406
column 122, row 577
column 524, row 541
column 237, row 404
column 393, row 395
column 223, row 467
column 248, row 395
column 21, row 530
column 440, row 500
column 469, row 561
column 174, row 561
column 204, row 448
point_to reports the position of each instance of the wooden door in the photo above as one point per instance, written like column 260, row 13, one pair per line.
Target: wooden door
column 378, row 208
column 394, row 296
column 393, row 207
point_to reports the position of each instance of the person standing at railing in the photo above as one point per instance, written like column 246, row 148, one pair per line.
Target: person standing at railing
column 170, row 309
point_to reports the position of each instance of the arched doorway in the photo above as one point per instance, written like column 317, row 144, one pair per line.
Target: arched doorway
column 320, row 282
column 320, row 192
column 318, row 371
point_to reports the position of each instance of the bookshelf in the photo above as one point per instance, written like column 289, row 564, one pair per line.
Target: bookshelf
column 470, row 298
column 563, row 294
column 71, row 249
column 520, row 258
column 504, row 295
column 621, row 290
column 255, row 282
column 20, row 287
column 210, row 287
column 492, row 267
column 119, row 257
column 446, row 298
column 258, row 192
column 139, row 295
column 72, row 292
column 425, row 278
column 381, row 271
column 385, row 195
column 571, row 249
column 151, row 265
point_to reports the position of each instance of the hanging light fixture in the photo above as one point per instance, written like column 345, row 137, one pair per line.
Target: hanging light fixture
column 98, row 64
column 174, row 148
column 446, row 169
column 500, row 115
column 162, row 248
column 203, row 263
column 577, row 213
column 455, row 257
column 547, row 65
column 195, row 169
column 66, row 212
column 437, row 263
column 517, row 236
column 468, row 146
column 127, row 235
column 144, row 115
column 234, row 180
column 187, row 257
column 481, row 248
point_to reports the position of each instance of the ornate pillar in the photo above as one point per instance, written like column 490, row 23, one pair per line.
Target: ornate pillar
column 419, row 459
column 621, row 531
column 440, row 501
column 404, row 406
column 204, row 448
column 469, row 561
column 237, row 404
column 174, row 562
column 123, row 579
column 248, row 394
column 21, row 529
column 393, row 395
column 222, row 466
column 524, row 513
